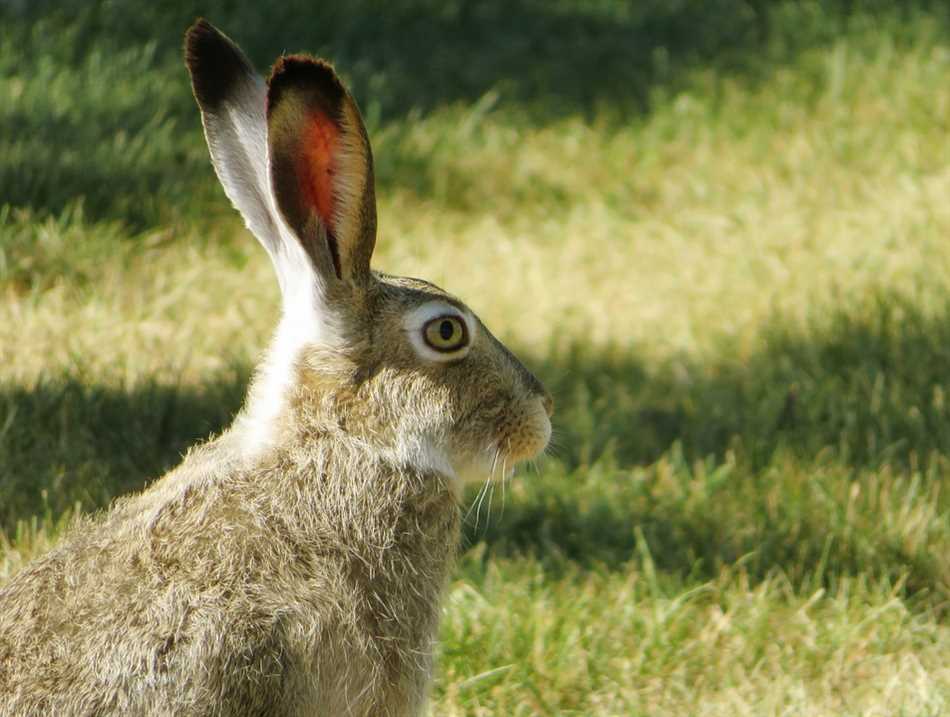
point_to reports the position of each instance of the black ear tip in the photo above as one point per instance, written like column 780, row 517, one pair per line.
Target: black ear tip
column 307, row 74
column 199, row 38
column 200, row 25
column 215, row 63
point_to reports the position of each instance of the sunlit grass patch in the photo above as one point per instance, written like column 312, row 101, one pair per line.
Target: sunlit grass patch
column 723, row 647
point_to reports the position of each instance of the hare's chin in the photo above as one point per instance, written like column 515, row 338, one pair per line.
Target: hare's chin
column 487, row 464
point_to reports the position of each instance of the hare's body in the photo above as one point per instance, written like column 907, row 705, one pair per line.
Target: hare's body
column 294, row 565
column 237, row 595
column 305, row 584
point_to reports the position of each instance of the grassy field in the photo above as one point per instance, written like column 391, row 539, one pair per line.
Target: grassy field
column 719, row 231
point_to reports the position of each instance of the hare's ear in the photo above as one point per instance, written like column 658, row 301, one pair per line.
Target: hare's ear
column 321, row 167
column 233, row 99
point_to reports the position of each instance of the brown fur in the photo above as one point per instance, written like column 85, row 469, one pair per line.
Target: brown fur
column 293, row 565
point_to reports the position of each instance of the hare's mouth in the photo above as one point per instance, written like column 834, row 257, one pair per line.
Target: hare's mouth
column 521, row 436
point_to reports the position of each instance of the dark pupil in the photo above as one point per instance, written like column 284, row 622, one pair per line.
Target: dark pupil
column 446, row 330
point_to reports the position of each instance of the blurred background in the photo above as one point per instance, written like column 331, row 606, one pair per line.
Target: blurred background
column 719, row 232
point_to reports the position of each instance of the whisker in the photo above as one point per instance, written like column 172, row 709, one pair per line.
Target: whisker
column 474, row 505
column 481, row 499
column 554, row 446
column 494, row 462
column 504, row 480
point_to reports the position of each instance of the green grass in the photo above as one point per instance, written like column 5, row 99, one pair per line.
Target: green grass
column 718, row 231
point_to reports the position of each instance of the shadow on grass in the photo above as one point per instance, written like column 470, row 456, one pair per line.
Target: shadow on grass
column 814, row 526
column 64, row 441
column 105, row 83
column 561, row 57
column 868, row 383
column 556, row 57
column 696, row 466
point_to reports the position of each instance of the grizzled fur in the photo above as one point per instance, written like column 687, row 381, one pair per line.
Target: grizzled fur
column 310, row 579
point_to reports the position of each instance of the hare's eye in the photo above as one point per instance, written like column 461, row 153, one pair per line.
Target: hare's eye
column 445, row 333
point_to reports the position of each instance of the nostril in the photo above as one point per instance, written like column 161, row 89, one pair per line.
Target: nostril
column 548, row 404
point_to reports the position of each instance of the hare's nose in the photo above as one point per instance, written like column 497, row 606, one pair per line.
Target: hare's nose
column 548, row 403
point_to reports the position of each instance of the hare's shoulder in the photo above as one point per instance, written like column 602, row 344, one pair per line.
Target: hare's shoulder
column 139, row 595
column 112, row 552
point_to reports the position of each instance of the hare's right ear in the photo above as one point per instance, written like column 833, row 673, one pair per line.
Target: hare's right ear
column 321, row 168
column 233, row 102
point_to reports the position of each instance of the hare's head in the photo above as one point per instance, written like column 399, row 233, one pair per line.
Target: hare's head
column 393, row 362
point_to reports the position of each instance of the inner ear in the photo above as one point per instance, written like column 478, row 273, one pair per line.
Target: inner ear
column 316, row 168
column 321, row 166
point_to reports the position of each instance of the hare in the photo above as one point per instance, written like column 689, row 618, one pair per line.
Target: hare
column 293, row 565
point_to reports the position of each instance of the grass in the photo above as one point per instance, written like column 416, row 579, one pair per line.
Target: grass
column 721, row 244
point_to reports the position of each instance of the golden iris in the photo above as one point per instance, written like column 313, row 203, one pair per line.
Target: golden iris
column 446, row 333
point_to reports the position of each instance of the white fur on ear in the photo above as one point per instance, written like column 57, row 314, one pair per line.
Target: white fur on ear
column 236, row 133
column 414, row 321
column 232, row 98
column 233, row 102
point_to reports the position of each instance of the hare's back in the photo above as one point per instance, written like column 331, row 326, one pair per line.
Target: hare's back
column 79, row 637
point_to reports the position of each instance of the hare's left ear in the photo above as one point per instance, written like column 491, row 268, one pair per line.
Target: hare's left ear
column 321, row 167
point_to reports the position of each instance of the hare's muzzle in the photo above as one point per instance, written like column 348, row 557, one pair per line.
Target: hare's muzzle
column 528, row 434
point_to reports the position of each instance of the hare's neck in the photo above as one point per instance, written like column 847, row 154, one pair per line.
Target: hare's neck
column 261, row 422
column 368, row 504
